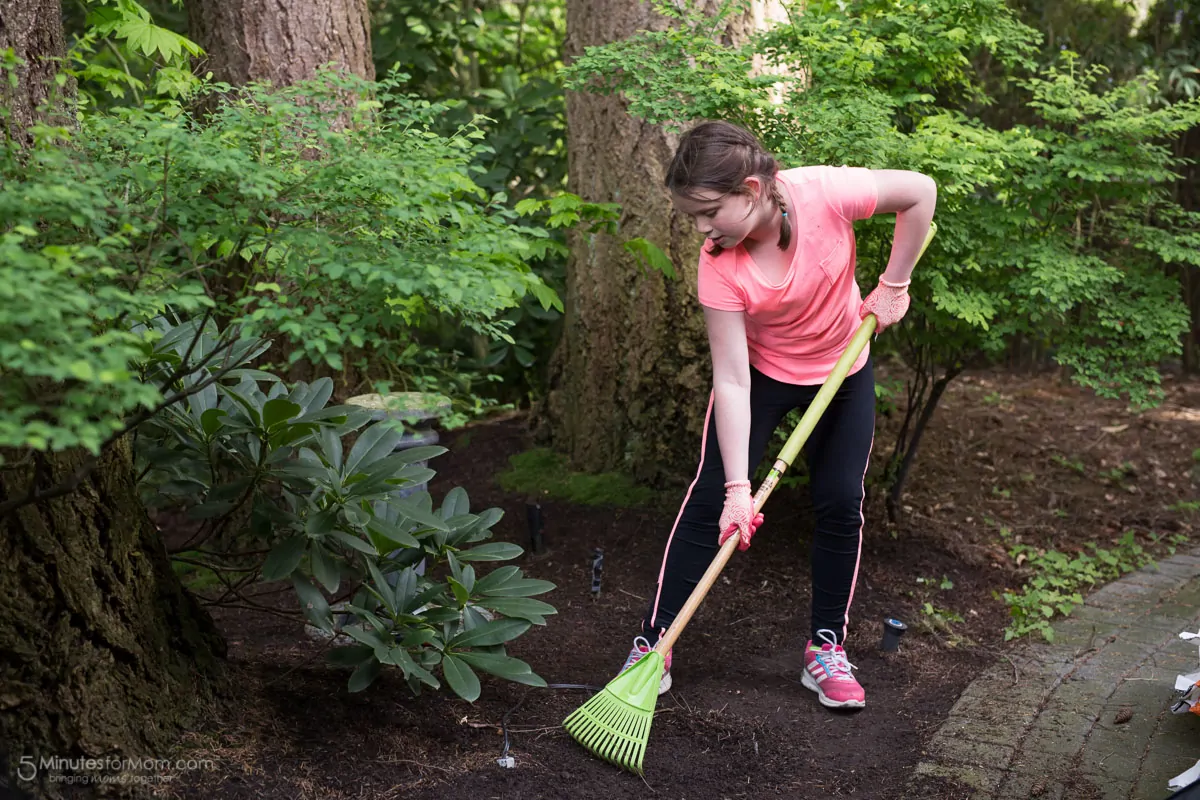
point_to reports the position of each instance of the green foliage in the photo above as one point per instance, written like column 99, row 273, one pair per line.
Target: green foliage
column 496, row 63
column 1056, row 230
column 1057, row 580
column 118, row 52
column 935, row 618
column 544, row 473
column 264, row 468
column 342, row 240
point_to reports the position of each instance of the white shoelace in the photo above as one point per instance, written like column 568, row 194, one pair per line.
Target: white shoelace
column 834, row 659
column 635, row 654
column 837, row 663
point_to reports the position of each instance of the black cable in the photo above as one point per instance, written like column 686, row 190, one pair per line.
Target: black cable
column 511, row 711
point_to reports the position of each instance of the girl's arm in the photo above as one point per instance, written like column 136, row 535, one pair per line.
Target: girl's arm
column 912, row 197
column 731, row 388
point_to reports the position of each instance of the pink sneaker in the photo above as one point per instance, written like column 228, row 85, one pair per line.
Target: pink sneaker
column 640, row 648
column 827, row 672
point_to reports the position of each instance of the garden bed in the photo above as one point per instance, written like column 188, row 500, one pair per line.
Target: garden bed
column 1048, row 463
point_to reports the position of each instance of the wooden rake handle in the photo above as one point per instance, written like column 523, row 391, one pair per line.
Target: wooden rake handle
column 788, row 454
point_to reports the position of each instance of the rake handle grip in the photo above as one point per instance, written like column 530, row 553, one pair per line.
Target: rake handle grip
column 788, row 454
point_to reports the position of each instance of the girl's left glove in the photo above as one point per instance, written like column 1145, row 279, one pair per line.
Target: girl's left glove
column 889, row 303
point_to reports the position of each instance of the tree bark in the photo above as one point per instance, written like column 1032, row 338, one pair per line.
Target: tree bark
column 283, row 41
column 631, row 377
column 34, row 31
column 102, row 651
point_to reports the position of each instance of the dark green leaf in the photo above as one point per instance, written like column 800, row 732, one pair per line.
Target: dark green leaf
column 497, row 577
column 210, row 510
column 315, row 606
column 389, row 537
column 247, row 405
column 331, row 447
column 525, row 587
column 461, row 678
column 460, row 592
column 507, row 667
column 210, row 420
column 324, row 567
column 406, row 588
column 409, row 508
column 497, row 632
column 350, row 655
column 284, row 558
column 520, row 607
column 381, row 586
column 416, row 638
column 321, row 523
column 492, row 551
column 278, row 411
column 374, row 443
column 356, row 542
column 364, row 675
column 489, row 518
column 414, row 454
column 456, row 503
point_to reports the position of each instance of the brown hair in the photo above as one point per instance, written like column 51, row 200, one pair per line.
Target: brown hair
column 719, row 156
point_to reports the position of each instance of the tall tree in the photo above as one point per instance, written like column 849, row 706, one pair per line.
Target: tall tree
column 102, row 651
column 631, row 376
column 282, row 41
column 33, row 30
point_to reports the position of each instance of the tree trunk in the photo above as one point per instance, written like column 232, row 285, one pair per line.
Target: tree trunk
column 34, row 31
column 102, row 651
column 631, row 377
column 283, row 41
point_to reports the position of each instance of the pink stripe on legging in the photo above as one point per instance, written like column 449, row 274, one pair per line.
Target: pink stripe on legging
column 858, row 559
column 663, row 571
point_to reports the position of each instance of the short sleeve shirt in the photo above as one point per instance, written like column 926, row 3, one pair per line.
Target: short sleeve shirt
column 797, row 329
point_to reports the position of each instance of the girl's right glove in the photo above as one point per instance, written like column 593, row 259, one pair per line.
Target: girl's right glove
column 738, row 515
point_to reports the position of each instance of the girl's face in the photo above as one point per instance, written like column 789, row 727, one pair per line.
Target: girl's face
column 725, row 219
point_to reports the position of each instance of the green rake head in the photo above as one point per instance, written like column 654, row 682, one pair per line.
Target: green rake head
column 615, row 723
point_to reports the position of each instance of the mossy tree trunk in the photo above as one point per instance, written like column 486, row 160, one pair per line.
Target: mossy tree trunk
column 102, row 651
column 631, row 377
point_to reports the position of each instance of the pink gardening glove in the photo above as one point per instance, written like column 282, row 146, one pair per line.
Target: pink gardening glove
column 738, row 515
column 888, row 303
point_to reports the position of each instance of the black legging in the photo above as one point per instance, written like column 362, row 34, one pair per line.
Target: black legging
column 836, row 454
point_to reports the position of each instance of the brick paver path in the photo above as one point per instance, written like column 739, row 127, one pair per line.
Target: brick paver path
column 1093, row 707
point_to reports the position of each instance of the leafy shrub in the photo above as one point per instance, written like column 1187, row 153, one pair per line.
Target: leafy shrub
column 264, row 472
column 343, row 242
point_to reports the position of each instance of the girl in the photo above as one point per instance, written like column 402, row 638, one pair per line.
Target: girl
column 776, row 280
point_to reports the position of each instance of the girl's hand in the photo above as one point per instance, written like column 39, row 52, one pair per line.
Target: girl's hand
column 889, row 303
column 738, row 515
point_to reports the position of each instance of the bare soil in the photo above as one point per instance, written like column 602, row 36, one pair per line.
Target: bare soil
column 1026, row 452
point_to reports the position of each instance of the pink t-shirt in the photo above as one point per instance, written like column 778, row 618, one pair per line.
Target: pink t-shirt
column 797, row 330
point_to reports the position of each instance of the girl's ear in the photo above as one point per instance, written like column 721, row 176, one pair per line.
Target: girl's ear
column 755, row 186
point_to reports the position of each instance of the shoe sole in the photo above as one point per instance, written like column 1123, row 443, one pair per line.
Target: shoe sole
column 809, row 683
column 664, row 685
